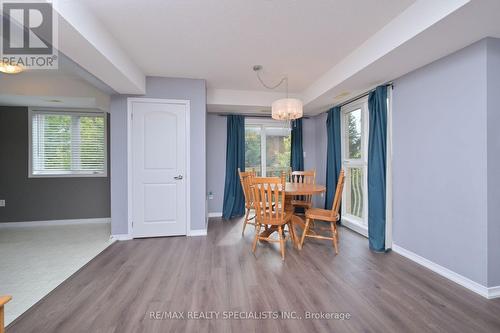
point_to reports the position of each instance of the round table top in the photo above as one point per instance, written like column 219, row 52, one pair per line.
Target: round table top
column 304, row 189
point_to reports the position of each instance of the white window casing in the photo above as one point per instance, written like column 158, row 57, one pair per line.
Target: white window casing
column 67, row 143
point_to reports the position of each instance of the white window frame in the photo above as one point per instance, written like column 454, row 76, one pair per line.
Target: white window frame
column 68, row 174
column 263, row 123
column 351, row 221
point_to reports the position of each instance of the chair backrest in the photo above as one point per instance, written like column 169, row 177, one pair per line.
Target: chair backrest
column 338, row 194
column 246, row 185
column 269, row 199
column 306, row 177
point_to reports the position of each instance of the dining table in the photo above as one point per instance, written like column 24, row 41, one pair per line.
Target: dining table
column 292, row 190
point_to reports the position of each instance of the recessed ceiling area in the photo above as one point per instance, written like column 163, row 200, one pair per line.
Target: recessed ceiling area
column 220, row 41
column 69, row 86
column 331, row 50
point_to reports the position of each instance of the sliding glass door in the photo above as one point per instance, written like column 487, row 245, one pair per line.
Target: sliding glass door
column 354, row 161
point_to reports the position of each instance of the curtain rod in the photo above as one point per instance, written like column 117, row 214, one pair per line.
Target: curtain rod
column 389, row 84
column 249, row 115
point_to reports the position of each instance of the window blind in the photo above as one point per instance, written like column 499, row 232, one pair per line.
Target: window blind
column 68, row 143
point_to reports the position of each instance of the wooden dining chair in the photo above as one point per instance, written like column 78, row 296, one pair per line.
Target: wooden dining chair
column 305, row 177
column 331, row 216
column 3, row 300
column 269, row 199
column 246, row 185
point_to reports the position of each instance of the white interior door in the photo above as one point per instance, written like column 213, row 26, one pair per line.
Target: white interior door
column 159, row 153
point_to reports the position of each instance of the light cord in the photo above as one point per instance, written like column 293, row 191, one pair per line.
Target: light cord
column 284, row 79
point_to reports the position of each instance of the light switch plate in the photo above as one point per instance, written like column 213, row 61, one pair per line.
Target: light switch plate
column 2, row 203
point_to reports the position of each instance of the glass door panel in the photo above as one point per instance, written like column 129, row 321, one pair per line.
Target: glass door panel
column 253, row 149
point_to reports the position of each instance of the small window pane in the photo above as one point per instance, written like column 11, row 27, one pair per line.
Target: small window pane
column 353, row 134
column 252, row 148
column 354, row 192
column 277, row 151
column 91, row 143
column 52, row 149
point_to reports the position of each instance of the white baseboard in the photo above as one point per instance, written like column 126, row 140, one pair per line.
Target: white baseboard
column 121, row 237
column 353, row 226
column 191, row 233
column 54, row 222
column 197, row 232
column 492, row 292
column 216, row 214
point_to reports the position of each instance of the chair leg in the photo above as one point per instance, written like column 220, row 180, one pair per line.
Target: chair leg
column 292, row 233
column 245, row 222
column 334, row 237
column 257, row 232
column 306, row 228
column 337, row 233
column 282, row 242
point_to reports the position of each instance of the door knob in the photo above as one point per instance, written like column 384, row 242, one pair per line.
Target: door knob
column 179, row 177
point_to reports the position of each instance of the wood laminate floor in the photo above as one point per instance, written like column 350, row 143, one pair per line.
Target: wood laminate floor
column 123, row 288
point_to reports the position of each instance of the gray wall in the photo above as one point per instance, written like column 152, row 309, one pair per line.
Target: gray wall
column 216, row 160
column 493, row 63
column 118, row 153
column 40, row 199
column 309, row 143
column 320, row 145
column 439, row 162
column 168, row 88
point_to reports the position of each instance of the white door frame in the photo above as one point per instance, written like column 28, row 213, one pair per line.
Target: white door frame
column 388, row 184
column 130, row 172
column 361, row 103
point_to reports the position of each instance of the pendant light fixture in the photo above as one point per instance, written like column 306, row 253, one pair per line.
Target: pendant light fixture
column 285, row 108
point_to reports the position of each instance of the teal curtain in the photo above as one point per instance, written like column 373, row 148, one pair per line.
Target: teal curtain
column 377, row 154
column 297, row 151
column 333, row 157
column 234, row 200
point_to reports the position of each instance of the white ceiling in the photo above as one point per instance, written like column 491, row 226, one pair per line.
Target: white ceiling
column 426, row 32
column 70, row 86
column 220, row 40
column 331, row 50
